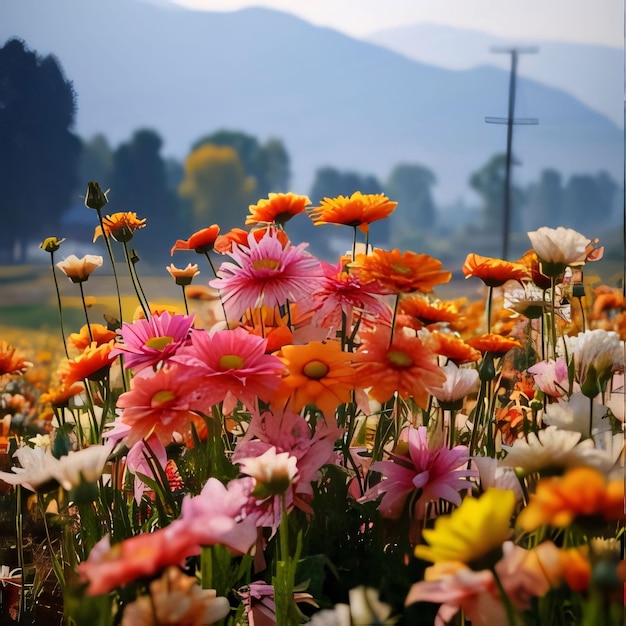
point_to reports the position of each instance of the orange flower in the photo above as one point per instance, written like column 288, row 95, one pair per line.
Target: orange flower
column 493, row 272
column 239, row 237
column 265, row 322
column 582, row 492
column 576, row 568
column 120, row 226
column 10, row 361
column 99, row 334
column 401, row 272
column 427, row 312
column 201, row 241
column 319, row 373
column 183, row 276
column 60, row 396
column 359, row 210
column 406, row 366
column 278, row 208
column 531, row 261
column 454, row 348
column 496, row 344
column 93, row 364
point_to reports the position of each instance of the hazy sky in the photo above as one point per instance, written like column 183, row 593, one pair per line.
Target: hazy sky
column 585, row 21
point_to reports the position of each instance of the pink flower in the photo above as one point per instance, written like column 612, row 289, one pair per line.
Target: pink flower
column 258, row 600
column 231, row 365
column 149, row 342
column 340, row 293
column 267, row 274
column 161, row 403
column 430, row 473
column 551, row 377
column 137, row 461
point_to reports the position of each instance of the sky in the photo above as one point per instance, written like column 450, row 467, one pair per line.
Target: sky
column 581, row 21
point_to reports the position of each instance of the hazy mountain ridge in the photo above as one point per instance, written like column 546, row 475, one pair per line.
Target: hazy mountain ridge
column 332, row 99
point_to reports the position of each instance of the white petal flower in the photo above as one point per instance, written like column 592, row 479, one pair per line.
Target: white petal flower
column 37, row 467
column 459, row 383
column 574, row 414
column 559, row 245
column 274, row 473
column 78, row 270
column 555, row 449
column 599, row 349
column 86, row 464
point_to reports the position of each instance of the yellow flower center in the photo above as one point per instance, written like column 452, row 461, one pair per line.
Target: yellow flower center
column 315, row 370
column 158, row 343
column 230, row 362
column 162, row 397
column 399, row 358
column 266, row 264
column 401, row 269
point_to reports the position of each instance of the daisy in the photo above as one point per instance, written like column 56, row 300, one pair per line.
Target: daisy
column 358, row 211
column 424, row 312
column 459, row 383
column 79, row 270
column 161, row 403
column 146, row 343
column 318, row 373
column 120, row 226
column 230, row 365
column 37, row 469
column 82, row 465
column 339, row 294
column 554, row 449
column 406, row 366
column 97, row 333
column 278, row 208
column 201, row 241
column 266, row 273
column 493, row 272
column 398, row 272
column 428, row 472
column 93, row 363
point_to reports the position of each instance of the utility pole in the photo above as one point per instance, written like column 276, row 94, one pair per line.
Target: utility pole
column 510, row 121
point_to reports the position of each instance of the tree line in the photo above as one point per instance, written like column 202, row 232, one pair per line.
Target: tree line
column 46, row 167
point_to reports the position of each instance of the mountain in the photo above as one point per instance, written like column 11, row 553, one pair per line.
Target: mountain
column 593, row 74
column 332, row 99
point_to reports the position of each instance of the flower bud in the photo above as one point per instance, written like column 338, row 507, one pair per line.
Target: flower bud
column 95, row 198
column 51, row 244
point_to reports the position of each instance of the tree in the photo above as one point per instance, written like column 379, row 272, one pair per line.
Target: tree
column 545, row 201
column 95, row 163
column 217, row 187
column 488, row 182
column 410, row 186
column 588, row 201
column 38, row 151
column 268, row 164
column 140, row 184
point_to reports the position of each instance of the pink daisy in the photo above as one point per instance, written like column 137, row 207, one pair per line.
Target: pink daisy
column 266, row 273
column 342, row 292
column 149, row 342
column 161, row 404
column 230, row 365
column 430, row 473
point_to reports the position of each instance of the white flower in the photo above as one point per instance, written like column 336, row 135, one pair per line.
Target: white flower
column 37, row 467
column 574, row 414
column 78, row 270
column 601, row 350
column 83, row 465
column 492, row 474
column 459, row 383
column 560, row 245
column 555, row 448
column 40, row 441
column 274, row 473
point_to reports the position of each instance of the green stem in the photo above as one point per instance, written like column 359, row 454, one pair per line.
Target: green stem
column 56, row 286
column 185, row 299
column 19, row 528
column 110, row 252
column 489, row 308
column 143, row 302
column 82, row 297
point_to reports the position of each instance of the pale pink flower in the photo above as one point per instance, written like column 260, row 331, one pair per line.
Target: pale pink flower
column 258, row 600
column 231, row 365
column 339, row 294
column 551, row 377
column 459, row 383
column 79, row 270
column 562, row 246
column 266, row 273
column 138, row 462
column 146, row 343
column 429, row 473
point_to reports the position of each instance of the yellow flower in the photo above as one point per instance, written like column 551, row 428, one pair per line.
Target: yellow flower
column 120, row 226
column 471, row 533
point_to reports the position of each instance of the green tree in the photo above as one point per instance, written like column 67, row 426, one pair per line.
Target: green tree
column 268, row 163
column 140, row 184
column 588, row 201
column 95, row 163
column 545, row 201
column 488, row 183
column 38, row 150
column 217, row 187
column 410, row 186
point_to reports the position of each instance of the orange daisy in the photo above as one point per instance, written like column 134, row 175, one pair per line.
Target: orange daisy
column 494, row 272
column 406, row 366
column 120, row 226
column 452, row 347
column 278, row 208
column 201, row 241
column 239, row 237
column 427, row 312
column 496, row 344
column 401, row 272
column 359, row 210
column 10, row 361
column 318, row 373
column 99, row 334
column 582, row 492
column 93, row 364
